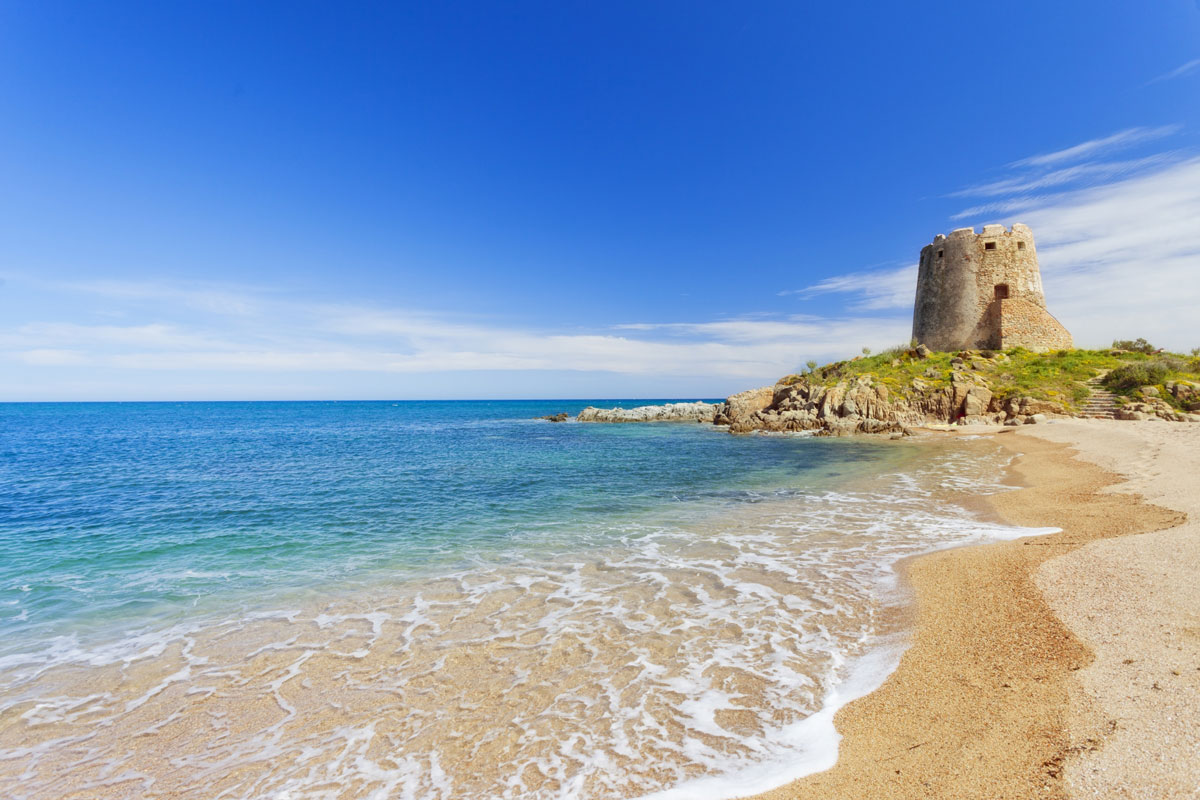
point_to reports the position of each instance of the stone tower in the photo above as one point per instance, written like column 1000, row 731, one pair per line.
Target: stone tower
column 978, row 291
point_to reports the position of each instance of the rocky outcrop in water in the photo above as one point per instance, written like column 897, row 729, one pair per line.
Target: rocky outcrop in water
column 744, row 405
column 671, row 412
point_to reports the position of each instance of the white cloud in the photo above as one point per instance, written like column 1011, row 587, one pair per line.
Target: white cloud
column 1120, row 139
column 876, row 289
column 1078, row 173
column 1123, row 260
column 205, row 297
column 1048, row 178
column 288, row 337
column 50, row 356
column 1178, row 72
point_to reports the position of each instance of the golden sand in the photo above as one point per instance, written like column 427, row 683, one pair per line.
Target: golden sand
column 996, row 698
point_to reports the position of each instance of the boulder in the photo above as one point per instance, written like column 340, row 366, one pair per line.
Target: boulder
column 562, row 416
column 1184, row 391
column 977, row 401
column 739, row 408
column 1030, row 405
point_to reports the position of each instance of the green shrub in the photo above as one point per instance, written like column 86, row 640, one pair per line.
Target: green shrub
column 898, row 351
column 1138, row 345
column 1130, row 376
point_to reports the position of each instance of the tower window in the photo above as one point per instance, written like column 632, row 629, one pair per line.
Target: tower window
column 940, row 252
column 1002, row 291
column 1020, row 245
column 989, row 246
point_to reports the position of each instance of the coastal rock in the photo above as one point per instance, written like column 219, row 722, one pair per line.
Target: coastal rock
column 671, row 412
column 1030, row 405
column 977, row 401
column 739, row 408
column 562, row 416
column 1186, row 392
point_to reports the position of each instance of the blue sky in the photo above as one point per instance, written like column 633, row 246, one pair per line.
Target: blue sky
column 352, row 200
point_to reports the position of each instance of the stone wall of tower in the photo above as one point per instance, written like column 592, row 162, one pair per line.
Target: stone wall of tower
column 963, row 282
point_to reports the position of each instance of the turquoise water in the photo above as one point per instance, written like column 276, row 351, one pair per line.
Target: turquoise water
column 136, row 511
column 444, row 599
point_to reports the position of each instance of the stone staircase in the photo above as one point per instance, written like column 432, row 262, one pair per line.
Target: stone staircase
column 1101, row 404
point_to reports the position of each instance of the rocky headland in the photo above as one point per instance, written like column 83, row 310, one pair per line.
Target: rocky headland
column 914, row 387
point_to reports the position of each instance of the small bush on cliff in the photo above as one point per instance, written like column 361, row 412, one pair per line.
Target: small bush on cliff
column 1138, row 345
column 898, row 351
column 1131, row 376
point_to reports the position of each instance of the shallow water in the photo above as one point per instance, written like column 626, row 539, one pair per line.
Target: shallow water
column 336, row 600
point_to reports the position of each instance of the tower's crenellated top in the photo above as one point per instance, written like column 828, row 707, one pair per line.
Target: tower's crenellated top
column 965, row 278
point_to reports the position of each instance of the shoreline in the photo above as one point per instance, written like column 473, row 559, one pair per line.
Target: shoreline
column 988, row 699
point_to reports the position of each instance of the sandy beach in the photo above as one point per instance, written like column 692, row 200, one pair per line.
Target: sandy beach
column 1061, row 666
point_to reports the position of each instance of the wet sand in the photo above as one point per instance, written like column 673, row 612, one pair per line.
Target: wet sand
column 1059, row 666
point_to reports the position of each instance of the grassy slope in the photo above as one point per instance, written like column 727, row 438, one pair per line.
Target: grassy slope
column 1056, row 376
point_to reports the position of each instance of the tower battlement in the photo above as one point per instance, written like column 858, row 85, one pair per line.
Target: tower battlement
column 984, row 290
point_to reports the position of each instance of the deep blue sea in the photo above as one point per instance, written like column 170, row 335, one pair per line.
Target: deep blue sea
column 372, row 599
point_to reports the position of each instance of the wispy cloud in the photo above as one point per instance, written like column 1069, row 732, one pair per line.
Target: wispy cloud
column 875, row 289
column 1046, row 179
column 1078, row 173
column 1123, row 260
column 1093, row 147
column 199, row 296
column 274, row 336
column 1178, row 72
